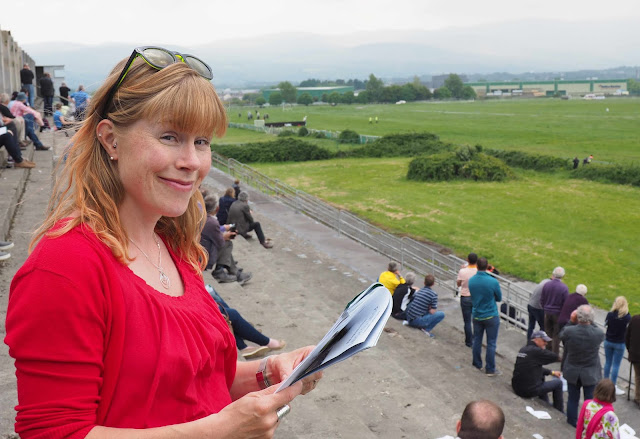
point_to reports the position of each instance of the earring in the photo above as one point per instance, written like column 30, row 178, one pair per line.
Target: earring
column 115, row 145
column 111, row 157
column 99, row 135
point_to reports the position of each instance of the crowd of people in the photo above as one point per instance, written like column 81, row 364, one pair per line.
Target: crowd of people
column 20, row 118
column 566, row 334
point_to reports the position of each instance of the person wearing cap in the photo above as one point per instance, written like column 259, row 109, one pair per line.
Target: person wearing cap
column 529, row 374
column 19, row 109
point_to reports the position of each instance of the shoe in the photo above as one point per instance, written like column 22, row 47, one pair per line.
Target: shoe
column 254, row 351
column 5, row 245
column 619, row 391
column 25, row 164
column 281, row 345
column 405, row 323
column 223, row 277
column 428, row 333
column 243, row 278
column 4, row 256
column 43, row 148
column 495, row 373
column 267, row 244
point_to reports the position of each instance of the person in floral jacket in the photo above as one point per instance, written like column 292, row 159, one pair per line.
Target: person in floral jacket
column 597, row 419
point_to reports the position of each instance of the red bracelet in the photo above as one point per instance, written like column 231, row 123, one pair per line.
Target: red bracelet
column 262, row 375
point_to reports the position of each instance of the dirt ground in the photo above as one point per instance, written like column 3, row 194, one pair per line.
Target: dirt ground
column 409, row 386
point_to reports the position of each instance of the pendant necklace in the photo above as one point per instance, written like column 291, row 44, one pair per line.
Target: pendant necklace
column 164, row 279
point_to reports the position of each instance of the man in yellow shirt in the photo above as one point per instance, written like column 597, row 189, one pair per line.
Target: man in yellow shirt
column 392, row 277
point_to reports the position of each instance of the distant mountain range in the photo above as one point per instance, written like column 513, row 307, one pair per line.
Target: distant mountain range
column 521, row 49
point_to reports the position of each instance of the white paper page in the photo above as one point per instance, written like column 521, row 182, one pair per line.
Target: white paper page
column 353, row 327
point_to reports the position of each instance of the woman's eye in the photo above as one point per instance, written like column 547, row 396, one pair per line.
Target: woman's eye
column 202, row 142
column 169, row 137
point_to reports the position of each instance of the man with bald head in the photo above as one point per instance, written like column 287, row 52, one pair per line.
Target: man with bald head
column 481, row 419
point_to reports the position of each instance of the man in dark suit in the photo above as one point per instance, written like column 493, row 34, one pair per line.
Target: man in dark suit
column 582, row 340
column 240, row 215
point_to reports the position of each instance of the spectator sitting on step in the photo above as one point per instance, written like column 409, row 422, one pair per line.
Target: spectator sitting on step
column 392, row 277
column 5, row 99
column 224, row 204
column 481, row 419
column 30, row 117
column 402, row 296
column 58, row 118
column 423, row 312
column 10, row 142
column 216, row 240
column 528, row 374
column 243, row 330
column 240, row 215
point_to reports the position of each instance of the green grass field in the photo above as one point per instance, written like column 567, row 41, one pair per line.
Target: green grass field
column 525, row 227
column 548, row 126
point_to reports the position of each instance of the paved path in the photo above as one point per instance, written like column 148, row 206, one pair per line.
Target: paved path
column 409, row 386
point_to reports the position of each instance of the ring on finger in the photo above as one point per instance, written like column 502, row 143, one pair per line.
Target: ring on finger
column 283, row 411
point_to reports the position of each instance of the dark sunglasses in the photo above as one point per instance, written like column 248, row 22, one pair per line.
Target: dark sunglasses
column 158, row 58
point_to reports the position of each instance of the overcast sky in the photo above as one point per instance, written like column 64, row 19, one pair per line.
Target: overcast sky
column 194, row 22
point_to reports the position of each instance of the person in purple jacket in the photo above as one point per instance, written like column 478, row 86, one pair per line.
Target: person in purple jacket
column 572, row 303
column 554, row 294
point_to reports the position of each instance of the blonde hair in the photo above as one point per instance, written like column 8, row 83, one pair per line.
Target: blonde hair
column 88, row 188
column 621, row 305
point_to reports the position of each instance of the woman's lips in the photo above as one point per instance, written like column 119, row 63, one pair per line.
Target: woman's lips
column 181, row 185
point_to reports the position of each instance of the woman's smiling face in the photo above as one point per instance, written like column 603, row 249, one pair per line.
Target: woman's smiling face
column 160, row 167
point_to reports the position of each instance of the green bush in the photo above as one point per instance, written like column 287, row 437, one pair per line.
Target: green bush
column 622, row 174
column 286, row 133
column 280, row 150
column 348, row 136
column 303, row 132
column 318, row 135
column 526, row 160
column 449, row 166
column 400, row 145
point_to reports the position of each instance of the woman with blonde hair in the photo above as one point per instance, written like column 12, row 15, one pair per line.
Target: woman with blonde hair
column 112, row 330
column 616, row 322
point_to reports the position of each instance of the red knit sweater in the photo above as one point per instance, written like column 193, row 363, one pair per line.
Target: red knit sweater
column 95, row 345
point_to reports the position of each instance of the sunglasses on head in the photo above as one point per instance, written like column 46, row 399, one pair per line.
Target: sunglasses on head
column 158, row 58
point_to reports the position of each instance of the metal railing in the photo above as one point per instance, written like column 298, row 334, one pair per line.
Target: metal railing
column 412, row 254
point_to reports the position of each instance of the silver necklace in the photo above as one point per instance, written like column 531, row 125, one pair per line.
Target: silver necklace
column 164, row 279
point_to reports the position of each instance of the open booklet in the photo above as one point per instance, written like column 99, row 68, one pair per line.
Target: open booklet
column 358, row 328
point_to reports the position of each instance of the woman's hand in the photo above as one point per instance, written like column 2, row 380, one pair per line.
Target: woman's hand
column 280, row 367
column 254, row 415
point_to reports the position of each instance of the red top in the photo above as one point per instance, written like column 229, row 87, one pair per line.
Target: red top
column 95, row 345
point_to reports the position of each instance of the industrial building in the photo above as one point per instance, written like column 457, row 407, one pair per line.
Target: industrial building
column 550, row 88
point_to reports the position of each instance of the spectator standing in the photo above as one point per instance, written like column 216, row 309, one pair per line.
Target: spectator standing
column 597, row 419
column 47, row 90
column 392, row 277
column 632, row 340
column 581, row 369
column 240, row 215
column 64, row 94
column 26, row 78
column 236, row 188
column 423, row 312
column 485, row 292
column 81, row 99
column 536, row 313
column 403, row 295
column 616, row 322
column 554, row 293
column 576, row 162
column 528, row 374
column 466, row 304
column 574, row 300
column 224, row 204
column 481, row 419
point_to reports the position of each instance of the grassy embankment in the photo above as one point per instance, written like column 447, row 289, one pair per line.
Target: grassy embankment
column 525, row 227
